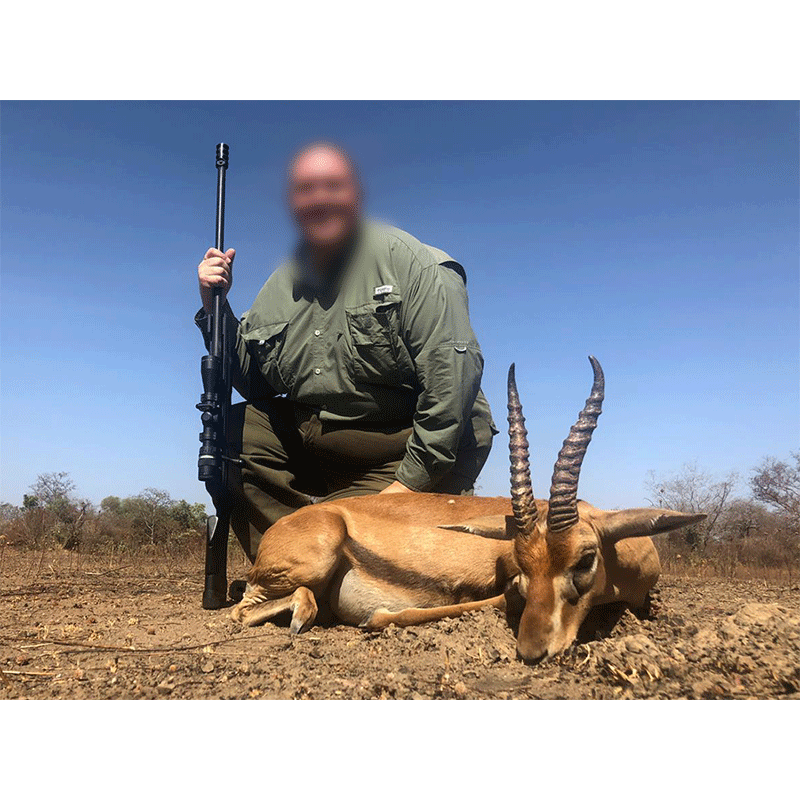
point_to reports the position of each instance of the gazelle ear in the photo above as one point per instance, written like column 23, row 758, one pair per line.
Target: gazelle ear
column 495, row 527
column 616, row 525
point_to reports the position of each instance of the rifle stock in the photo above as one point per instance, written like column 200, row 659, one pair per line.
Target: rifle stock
column 214, row 406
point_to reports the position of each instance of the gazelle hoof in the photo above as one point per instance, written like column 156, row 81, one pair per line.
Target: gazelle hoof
column 296, row 625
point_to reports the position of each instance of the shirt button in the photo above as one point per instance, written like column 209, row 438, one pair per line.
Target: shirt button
column 317, row 371
column 317, row 333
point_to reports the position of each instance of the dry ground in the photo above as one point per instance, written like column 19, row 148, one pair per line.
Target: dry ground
column 91, row 629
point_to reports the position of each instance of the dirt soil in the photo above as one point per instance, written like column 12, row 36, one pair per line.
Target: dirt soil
column 83, row 630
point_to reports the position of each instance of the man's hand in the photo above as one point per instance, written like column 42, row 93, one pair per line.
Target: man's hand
column 395, row 488
column 215, row 270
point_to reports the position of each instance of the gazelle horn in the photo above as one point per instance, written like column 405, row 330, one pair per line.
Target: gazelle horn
column 563, row 509
column 522, row 501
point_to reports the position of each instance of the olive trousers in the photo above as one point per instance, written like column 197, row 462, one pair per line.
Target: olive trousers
column 291, row 458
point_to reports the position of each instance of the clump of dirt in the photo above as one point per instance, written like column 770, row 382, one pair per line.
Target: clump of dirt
column 95, row 633
column 753, row 652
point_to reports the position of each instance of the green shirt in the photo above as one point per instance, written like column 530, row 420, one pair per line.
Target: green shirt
column 390, row 344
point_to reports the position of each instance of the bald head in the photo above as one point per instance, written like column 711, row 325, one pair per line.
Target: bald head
column 324, row 195
column 323, row 154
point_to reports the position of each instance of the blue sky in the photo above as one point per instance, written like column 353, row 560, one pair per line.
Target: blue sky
column 661, row 237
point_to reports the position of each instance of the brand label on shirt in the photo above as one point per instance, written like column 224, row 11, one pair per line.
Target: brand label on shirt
column 385, row 289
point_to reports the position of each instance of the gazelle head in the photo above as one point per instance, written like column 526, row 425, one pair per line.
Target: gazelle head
column 560, row 545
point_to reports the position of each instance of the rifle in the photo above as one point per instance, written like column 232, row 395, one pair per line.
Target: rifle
column 215, row 405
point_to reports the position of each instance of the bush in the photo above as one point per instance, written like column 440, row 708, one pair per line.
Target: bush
column 53, row 516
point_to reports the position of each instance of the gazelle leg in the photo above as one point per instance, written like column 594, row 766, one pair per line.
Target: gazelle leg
column 418, row 616
column 254, row 609
column 304, row 610
column 298, row 551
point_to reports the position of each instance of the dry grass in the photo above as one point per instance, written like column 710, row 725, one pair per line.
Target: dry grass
column 731, row 561
column 185, row 564
column 145, row 564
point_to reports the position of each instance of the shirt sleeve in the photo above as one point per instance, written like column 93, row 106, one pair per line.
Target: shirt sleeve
column 246, row 377
column 449, row 366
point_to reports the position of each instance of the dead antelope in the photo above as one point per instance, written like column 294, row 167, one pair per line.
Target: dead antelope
column 410, row 559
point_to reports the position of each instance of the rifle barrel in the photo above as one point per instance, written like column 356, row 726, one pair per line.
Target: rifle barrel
column 216, row 323
column 214, row 404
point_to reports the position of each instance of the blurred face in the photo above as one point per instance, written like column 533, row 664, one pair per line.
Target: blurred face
column 324, row 198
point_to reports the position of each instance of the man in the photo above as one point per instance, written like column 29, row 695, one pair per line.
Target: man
column 357, row 360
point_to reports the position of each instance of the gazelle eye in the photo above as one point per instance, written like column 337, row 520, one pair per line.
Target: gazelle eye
column 582, row 575
column 586, row 562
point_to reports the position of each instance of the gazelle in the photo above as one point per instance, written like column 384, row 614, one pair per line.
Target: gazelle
column 408, row 559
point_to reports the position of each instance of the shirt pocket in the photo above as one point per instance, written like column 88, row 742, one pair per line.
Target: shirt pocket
column 266, row 346
column 372, row 330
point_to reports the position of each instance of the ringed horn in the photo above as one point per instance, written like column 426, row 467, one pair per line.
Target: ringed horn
column 563, row 509
column 522, row 501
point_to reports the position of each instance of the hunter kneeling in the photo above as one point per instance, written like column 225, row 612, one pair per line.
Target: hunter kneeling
column 357, row 360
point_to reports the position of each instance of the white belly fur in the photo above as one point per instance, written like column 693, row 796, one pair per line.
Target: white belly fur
column 354, row 598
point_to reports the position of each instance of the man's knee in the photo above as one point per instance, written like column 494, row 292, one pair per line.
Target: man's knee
column 264, row 426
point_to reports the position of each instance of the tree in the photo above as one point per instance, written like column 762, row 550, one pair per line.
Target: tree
column 190, row 517
column 53, row 489
column 9, row 512
column 150, row 512
column 744, row 519
column 777, row 483
column 53, row 493
column 10, row 517
column 111, row 505
column 696, row 492
column 52, row 511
